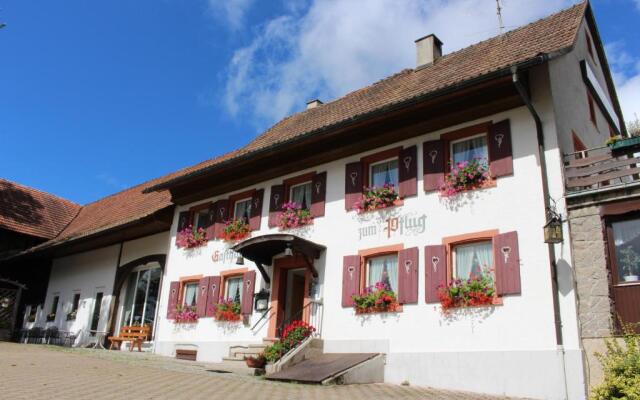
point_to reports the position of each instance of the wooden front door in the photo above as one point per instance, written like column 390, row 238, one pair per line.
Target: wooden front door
column 623, row 241
column 288, row 296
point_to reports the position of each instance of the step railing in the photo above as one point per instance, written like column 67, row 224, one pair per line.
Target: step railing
column 312, row 312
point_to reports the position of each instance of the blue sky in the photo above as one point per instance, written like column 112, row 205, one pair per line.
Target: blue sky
column 99, row 96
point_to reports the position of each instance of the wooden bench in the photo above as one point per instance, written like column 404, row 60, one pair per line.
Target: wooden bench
column 134, row 334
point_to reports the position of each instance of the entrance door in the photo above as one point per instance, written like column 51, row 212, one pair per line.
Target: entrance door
column 623, row 236
column 290, row 293
column 141, row 299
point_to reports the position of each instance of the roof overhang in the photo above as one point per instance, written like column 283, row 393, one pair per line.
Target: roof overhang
column 464, row 101
column 262, row 249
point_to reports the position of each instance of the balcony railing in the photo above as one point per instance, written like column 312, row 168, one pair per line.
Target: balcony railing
column 600, row 169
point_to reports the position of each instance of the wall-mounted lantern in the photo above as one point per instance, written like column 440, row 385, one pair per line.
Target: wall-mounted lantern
column 261, row 300
column 553, row 227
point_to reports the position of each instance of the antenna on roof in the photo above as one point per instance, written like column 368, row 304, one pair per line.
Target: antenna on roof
column 499, row 12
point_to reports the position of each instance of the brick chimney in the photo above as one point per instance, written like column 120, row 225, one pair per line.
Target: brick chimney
column 428, row 50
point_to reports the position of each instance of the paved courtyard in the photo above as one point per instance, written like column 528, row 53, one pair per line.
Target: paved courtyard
column 44, row 372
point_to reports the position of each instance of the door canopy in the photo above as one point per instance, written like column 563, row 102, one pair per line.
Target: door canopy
column 262, row 249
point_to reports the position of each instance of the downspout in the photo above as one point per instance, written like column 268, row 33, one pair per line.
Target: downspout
column 524, row 95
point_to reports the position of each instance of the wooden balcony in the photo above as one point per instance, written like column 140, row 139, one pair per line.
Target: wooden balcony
column 601, row 169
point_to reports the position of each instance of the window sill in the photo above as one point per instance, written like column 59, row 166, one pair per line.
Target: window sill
column 395, row 308
column 396, row 203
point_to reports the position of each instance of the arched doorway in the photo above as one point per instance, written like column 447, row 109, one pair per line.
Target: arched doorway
column 137, row 289
column 10, row 293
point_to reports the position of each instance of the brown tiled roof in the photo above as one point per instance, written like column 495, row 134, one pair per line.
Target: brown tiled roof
column 33, row 212
column 550, row 35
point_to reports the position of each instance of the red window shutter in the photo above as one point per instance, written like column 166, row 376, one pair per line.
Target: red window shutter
column 435, row 271
column 221, row 208
column 350, row 279
column 183, row 221
column 276, row 199
column 408, row 276
column 506, row 259
column 318, row 194
column 500, row 153
column 433, row 164
column 213, row 296
column 248, row 287
column 174, row 288
column 353, row 184
column 256, row 209
column 210, row 226
column 408, row 172
column 203, row 294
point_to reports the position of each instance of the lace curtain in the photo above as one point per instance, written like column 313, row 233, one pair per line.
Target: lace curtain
column 472, row 259
column 190, row 292
column 384, row 269
column 470, row 149
column 385, row 173
column 301, row 195
column 234, row 289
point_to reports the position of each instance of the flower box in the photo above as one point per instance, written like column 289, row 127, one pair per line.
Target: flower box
column 473, row 292
column 466, row 175
column 375, row 198
column 186, row 315
column 229, row 311
column 294, row 216
column 618, row 143
column 377, row 298
column 235, row 230
column 190, row 238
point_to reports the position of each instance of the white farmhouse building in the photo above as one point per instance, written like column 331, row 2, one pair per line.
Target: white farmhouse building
column 517, row 103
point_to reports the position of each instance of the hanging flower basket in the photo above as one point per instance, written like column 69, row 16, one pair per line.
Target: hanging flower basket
column 186, row 315
column 465, row 175
column 377, row 298
column 190, row 238
column 293, row 216
column 375, row 198
column 235, row 230
column 228, row 310
column 473, row 292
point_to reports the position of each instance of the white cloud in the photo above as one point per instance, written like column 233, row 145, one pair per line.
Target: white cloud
column 331, row 47
column 232, row 12
column 626, row 74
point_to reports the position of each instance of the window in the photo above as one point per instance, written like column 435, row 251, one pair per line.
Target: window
column 301, row 194
column 54, row 305
column 200, row 218
column 384, row 173
column 472, row 259
column 469, row 148
column 95, row 318
column 242, row 210
column 141, row 295
column 383, row 269
column 76, row 302
column 233, row 289
column 626, row 241
column 190, row 294
column 592, row 110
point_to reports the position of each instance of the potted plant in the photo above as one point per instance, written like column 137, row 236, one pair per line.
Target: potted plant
column 375, row 298
column 630, row 261
column 376, row 198
column 186, row 315
column 228, row 310
column 236, row 229
column 293, row 216
column 465, row 175
column 475, row 291
column 257, row 361
column 189, row 237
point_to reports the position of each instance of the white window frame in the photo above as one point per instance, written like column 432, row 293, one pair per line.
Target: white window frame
column 454, row 269
column 226, row 286
column 204, row 213
column 387, row 160
column 246, row 199
column 451, row 143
